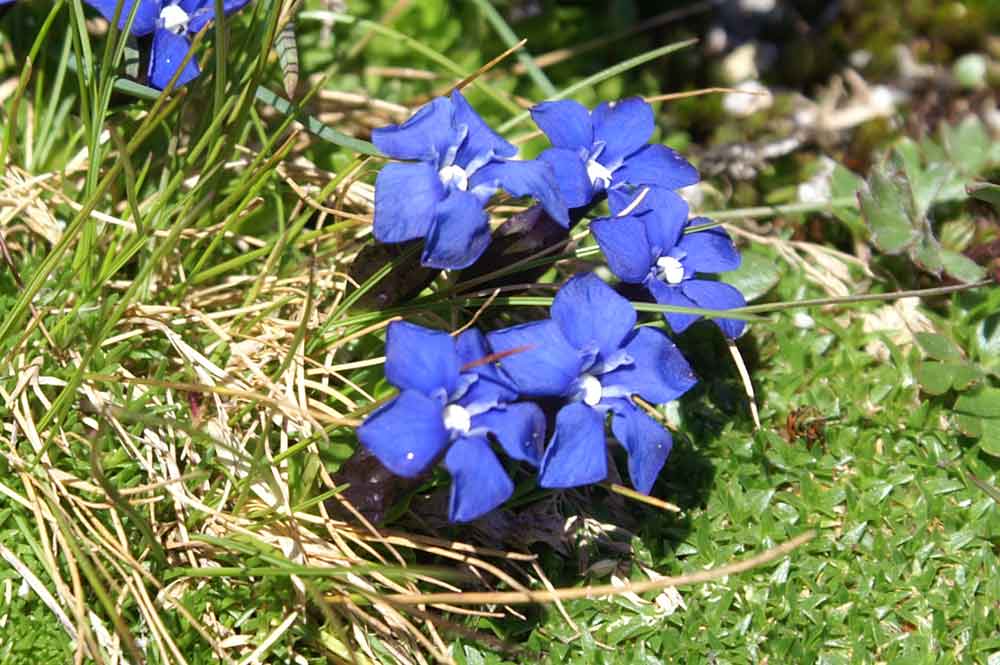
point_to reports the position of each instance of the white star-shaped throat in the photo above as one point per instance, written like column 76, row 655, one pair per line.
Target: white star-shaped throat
column 174, row 19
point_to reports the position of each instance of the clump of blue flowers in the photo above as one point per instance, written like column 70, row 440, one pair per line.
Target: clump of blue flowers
column 453, row 404
column 607, row 151
column 463, row 400
column 649, row 246
column 172, row 23
column 590, row 355
column 453, row 164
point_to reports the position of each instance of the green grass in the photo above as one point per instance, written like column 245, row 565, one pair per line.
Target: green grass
column 183, row 356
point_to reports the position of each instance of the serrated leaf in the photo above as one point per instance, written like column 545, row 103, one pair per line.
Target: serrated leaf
column 938, row 347
column 961, row 267
column 985, row 191
column 758, row 273
column 984, row 403
column 929, row 178
column 887, row 207
column 968, row 144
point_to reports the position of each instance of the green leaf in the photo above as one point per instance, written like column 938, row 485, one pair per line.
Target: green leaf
column 990, row 440
column 957, row 234
column 969, row 425
column 845, row 183
column 927, row 178
column 961, row 267
column 986, row 342
column 985, row 191
column 985, row 403
column 887, row 207
column 935, row 378
column 926, row 253
column 965, row 375
column 968, row 144
column 758, row 273
column 938, row 347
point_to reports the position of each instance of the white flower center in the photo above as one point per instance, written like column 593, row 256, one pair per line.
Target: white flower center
column 457, row 419
column 174, row 19
column 591, row 390
column 670, row 269
column 454, row 175
column 599, row 174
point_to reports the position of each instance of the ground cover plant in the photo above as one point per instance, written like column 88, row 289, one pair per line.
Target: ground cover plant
column 366, row 332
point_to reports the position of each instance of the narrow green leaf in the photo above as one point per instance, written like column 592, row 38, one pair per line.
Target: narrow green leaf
column 509, row 40
column 593, row 80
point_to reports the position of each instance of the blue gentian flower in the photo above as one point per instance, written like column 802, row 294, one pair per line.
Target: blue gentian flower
column 607, row 151
column 450, row 402
column 453, row 164
column 171, row 23
column 648, row 246
column 590, row 353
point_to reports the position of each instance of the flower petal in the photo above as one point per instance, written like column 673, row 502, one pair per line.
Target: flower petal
column 205, row 11
column 571, row 175
column 168, row 52
column 646, row 441
column 407, row 434
column 426, row 135
column 623, row 241
column 657, row 165
column 540, row 360
column 711, row 250
column 492, row 386
column 519, row 428
column 459, row 234
column 624, row 126
column 525, row 178
column 666, row 294
column 664, row 213
column 717, row 295
column 577, row 454
column 478, row 480
column 145, row 16
column 406, row 198
column 659, row 372
column 591, row 315
column 566, row 123
column 480, row 140
column 418, row 358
